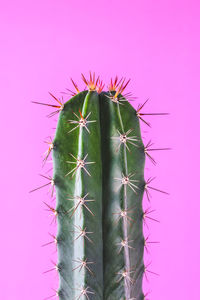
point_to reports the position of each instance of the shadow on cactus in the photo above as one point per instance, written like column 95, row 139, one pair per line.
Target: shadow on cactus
column 98, row 174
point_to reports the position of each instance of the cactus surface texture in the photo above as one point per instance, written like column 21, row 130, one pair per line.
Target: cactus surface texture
column 98, row 175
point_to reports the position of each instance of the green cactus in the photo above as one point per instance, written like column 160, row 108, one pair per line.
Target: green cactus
column 98, row 174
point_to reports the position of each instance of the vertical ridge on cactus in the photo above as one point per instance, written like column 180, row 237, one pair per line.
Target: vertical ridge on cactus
column 123, row 168
column 98, row 174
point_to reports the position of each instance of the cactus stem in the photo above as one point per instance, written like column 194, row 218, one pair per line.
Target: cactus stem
column 84, row 292
column 115, row 201
column 83, row 264
column 80, row 164
column 81, row 203
column 82, row 122
column 124, row 139
column 82, row 233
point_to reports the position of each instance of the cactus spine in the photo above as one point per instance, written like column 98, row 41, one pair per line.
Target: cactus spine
column 98, row 174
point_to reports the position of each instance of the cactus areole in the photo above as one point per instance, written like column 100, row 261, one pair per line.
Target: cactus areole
column 98, row 174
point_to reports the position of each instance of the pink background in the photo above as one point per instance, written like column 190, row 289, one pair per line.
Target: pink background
column 156, row 44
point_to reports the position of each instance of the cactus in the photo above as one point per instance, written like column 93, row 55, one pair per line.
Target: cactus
column 98, row 174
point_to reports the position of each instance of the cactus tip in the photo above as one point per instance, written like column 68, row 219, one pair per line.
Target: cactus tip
column 93, row 84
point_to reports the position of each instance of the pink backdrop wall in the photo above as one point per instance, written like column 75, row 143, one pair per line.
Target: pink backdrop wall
column 156, row 44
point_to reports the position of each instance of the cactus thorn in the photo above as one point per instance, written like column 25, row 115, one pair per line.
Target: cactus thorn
column 149, row 271
column 125, row 180
column 124, row 243
column 51, row 182
column 112, row 87
column 54, row 241
column 84, row 292
column 80, row 164
column 47, row 153
column 83, row 264
column 139, row 114
column 124, row 215
column 125, row 274
column 146, row 242
column 122, row 87
column 82, row 233
column 118, row 88
column 53, row 210
column 149, row 144
column 147, row 186
column 55, row 268
column 100, row 86
column 145, row 216
column 82, row 122
column 81, row 202
column 147, row 149
column 53, row 296
column 145, row 295
column 92, row 83
column 128, row 97
column 76, row 88
column 59, row 105
column 124, row 139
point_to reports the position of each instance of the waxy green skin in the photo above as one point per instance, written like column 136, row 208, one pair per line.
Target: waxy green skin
column 106, row 258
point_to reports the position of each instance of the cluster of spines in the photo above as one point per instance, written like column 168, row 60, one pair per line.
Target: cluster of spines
column 116, row 95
